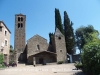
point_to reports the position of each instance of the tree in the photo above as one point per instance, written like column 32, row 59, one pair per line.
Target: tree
column 11, row 49
column 69, row 34
column 50, row 38
column 82, row 35
column 91, row 55
column 58, row 22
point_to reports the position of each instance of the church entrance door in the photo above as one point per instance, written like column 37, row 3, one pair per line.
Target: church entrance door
column 40, row 60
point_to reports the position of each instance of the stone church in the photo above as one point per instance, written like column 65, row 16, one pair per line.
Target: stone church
column 37, row 49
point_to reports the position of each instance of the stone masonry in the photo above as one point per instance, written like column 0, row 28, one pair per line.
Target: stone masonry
column 4, row 41
column 37, row 48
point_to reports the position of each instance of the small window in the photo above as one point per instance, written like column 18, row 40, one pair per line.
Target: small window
column 18, row 25
column 60, row 50
column 38, row 47
column 5, row 33
column 18, row 18
column 59, row 38
column 5, row 42
column 0, row 29
column 21, row 25
column 21, row 18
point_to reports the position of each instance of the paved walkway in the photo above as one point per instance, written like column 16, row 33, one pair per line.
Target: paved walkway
column 63, row 69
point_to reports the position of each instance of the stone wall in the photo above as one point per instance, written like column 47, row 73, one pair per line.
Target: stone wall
column 4, row 37
column 20, row 34
column 60, row 46
column 34, row 42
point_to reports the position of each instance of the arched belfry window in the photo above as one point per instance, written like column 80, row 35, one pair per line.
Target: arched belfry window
column 21, row 25
column 21, row 18
column 18, row 18
column 18, row 25
column 38, row 47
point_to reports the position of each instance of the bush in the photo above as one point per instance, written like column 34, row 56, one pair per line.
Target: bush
column 1, row 61
column 60, row 62
column 91, row 58
column 78, row 65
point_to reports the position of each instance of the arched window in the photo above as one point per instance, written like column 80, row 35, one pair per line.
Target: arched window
column 18, row 18
column 18, row 25
column 21, row 25
column 21, row 18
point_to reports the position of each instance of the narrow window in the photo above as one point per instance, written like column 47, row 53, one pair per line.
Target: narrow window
column 38, row 47
column 5, row 33
column 21, row 25
column 5, row 42
column 0, row 29
column 21, row 18
column 18, row 25
column 60, row 50
column 18, row 18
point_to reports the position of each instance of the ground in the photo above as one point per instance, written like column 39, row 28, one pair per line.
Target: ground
column 63, row 69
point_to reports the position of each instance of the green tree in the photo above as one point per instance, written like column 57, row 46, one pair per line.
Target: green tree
column 58, row 22
column 11, row 49
column 82, row 35
column 50, row 38
column 91, row 55
column 69, row 34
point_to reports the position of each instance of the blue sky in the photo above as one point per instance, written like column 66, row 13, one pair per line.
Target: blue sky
column 40, row 14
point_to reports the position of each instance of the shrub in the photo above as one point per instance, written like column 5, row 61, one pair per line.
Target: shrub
column 78, row 65
column 60, row 62
column 1, row 61
column 91, row 58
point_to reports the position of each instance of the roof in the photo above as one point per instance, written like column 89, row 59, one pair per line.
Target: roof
column 19, row 14
column 58, row 33
column 5, row 26
column 37, row 36
column 46, row 52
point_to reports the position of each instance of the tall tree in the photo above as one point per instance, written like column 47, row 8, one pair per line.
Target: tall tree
column 58, row 22
column 50, row 38
column 82, row 35
column 69, row 34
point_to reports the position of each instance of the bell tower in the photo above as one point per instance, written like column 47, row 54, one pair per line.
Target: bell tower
column 20, row 34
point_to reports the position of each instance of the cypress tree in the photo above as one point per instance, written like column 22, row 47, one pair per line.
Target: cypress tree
column 69, row 34
column 58, row 22
column 50, row 38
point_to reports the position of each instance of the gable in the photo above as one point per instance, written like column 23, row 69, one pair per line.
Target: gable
column 58, row 33
column 37, row 37
column 3, row 24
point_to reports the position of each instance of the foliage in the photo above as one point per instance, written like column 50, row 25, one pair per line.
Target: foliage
column 1, row 61
column 78, row 65
column 60, row 62
column 82, row 35
column 91, row 55
column 11, row 49
column 50, row 37
column 58, row 22
column 69, row 34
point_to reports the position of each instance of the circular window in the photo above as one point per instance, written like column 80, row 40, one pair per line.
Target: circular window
column 59, row 38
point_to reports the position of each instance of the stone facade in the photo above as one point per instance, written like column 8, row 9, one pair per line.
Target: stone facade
column 4, row 41
column 37, row 49
column 20, row 34
column 60, row 46
column 36, row 44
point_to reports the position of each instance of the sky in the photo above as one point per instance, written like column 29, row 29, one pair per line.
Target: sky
column 40, row 15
